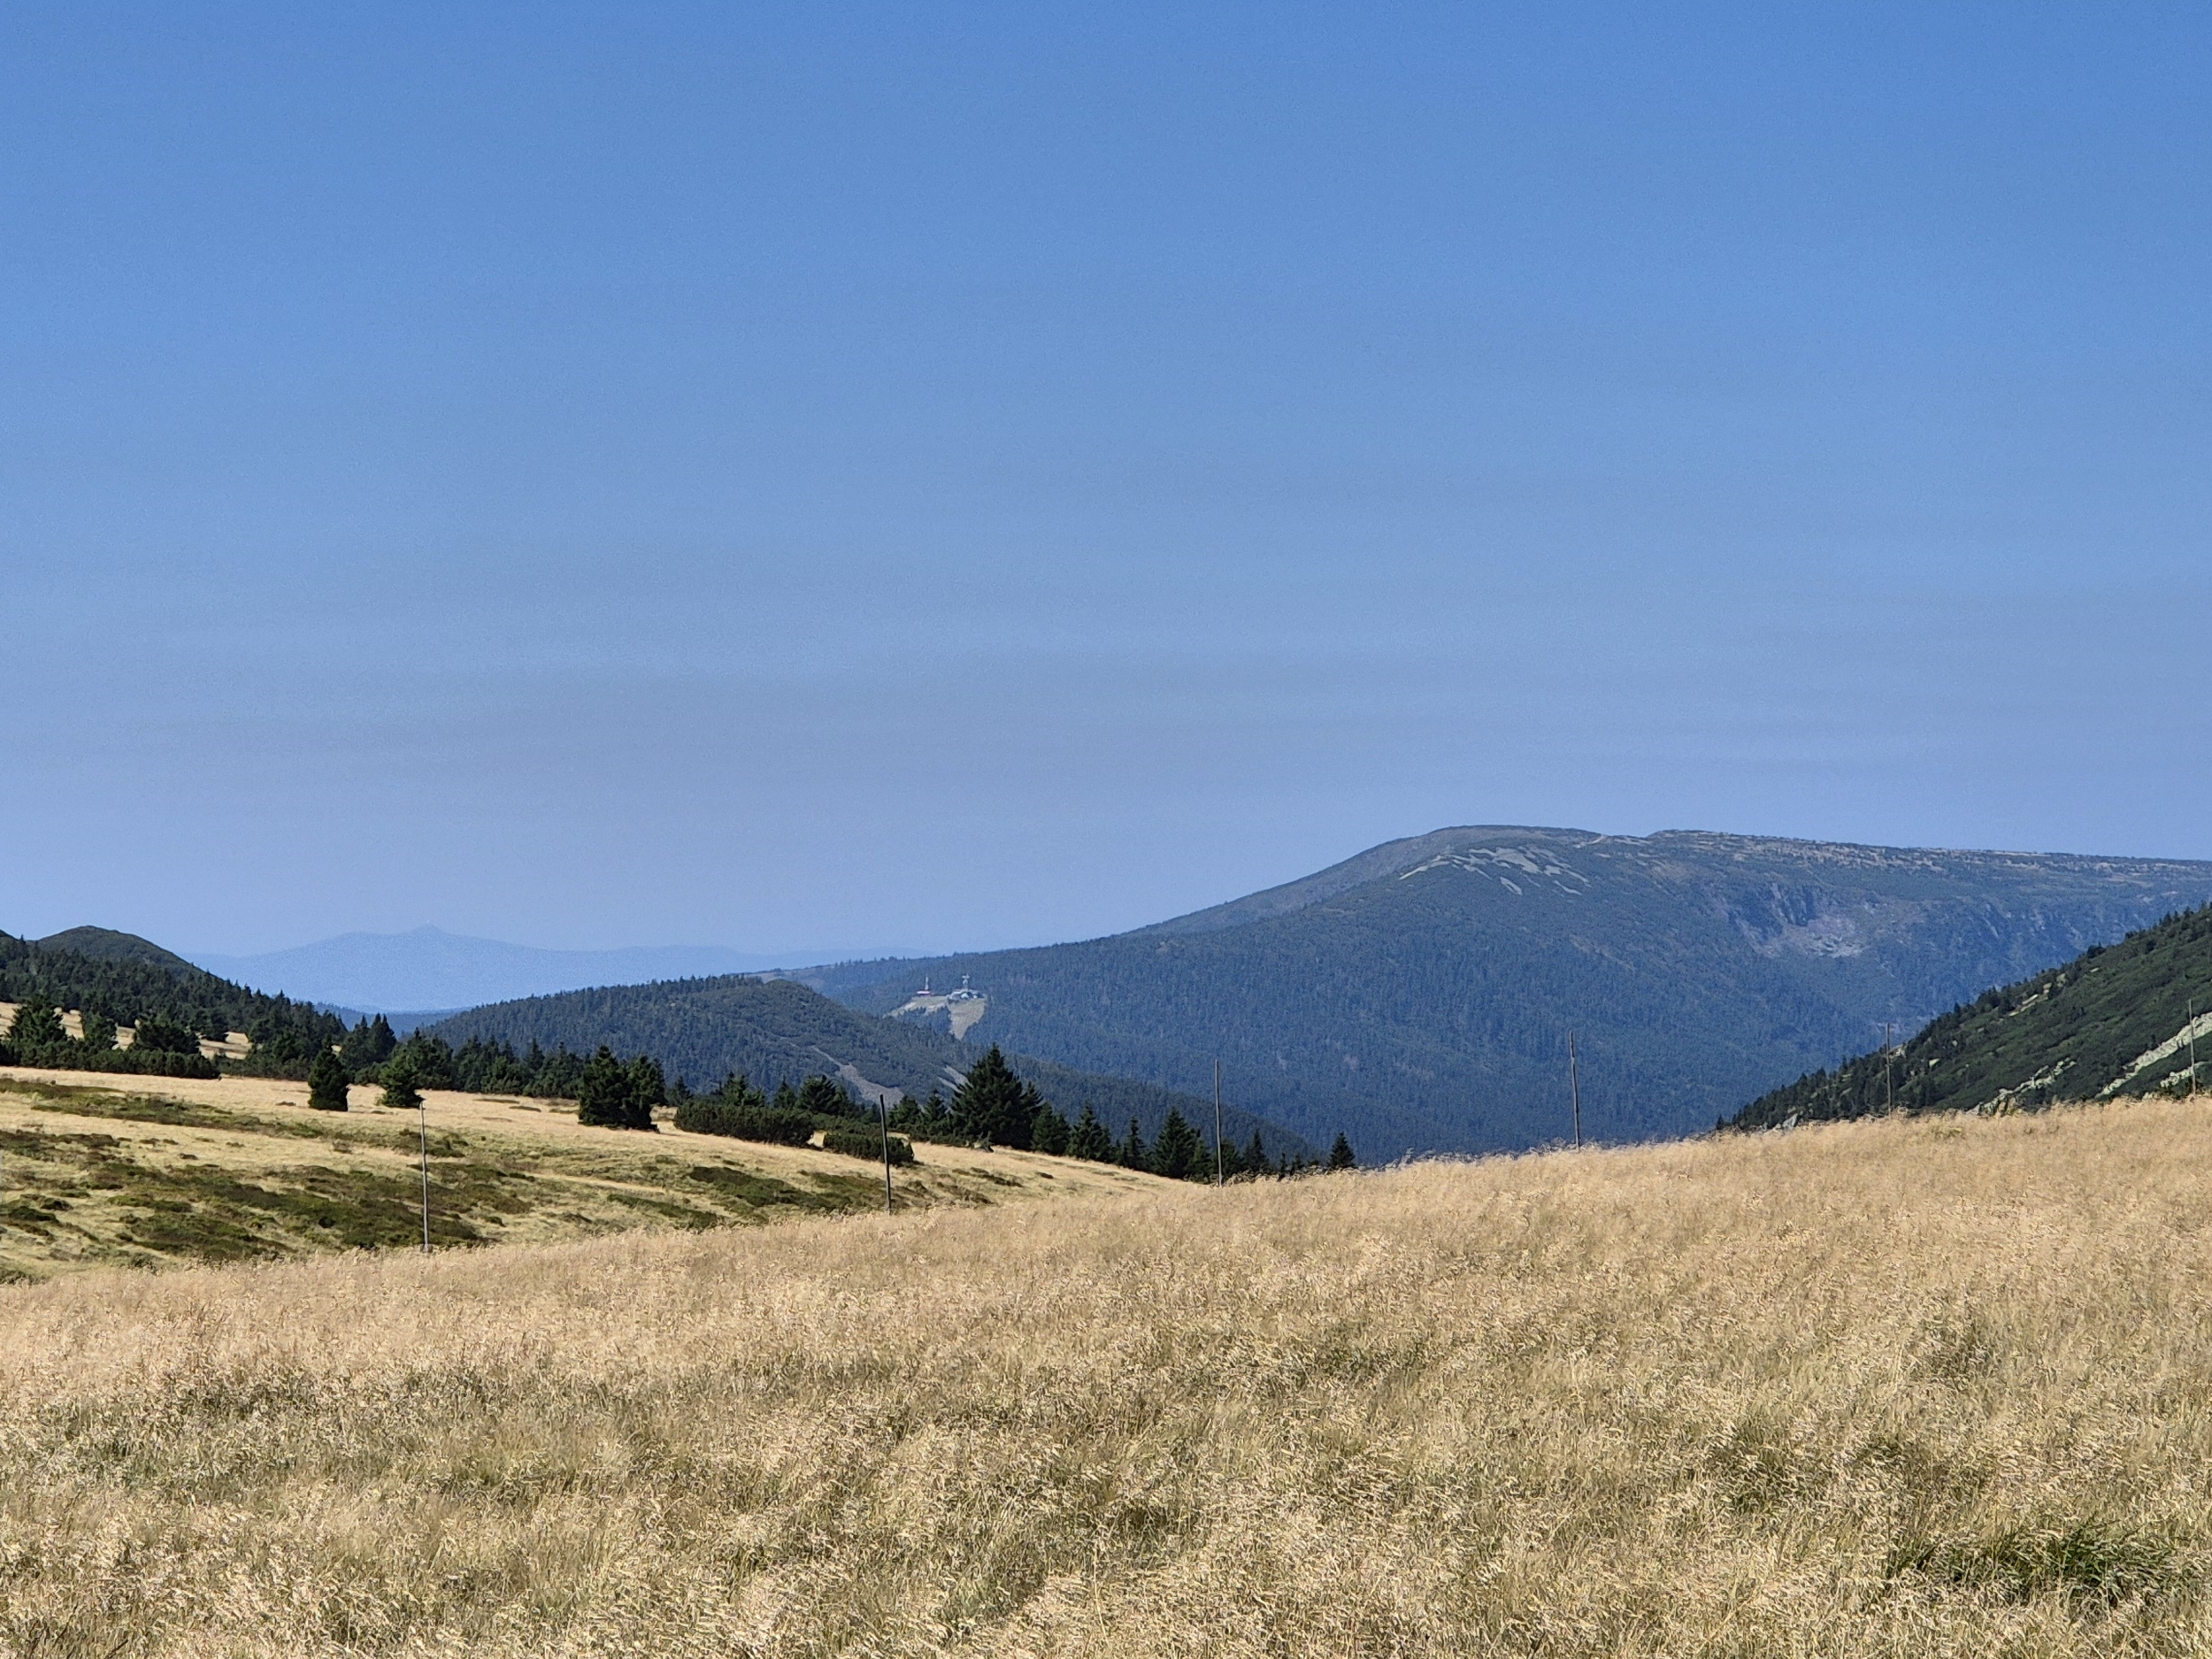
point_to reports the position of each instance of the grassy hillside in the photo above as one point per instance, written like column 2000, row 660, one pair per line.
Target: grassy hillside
column 1909, row 1387
column 2110, row 1022
column 149, row 1172
column 701, row 1029
column 1421, row 994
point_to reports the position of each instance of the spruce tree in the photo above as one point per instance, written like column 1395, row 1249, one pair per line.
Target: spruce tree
column 786, row 1098
column 1089, row 1140
column 99, row 1031
column 402, row 1088
column 1180, row 1152
column 1132, row 1149
column 326, row 1082
column 994, row 1105
column 825, row 1098
column 602, row 1093
column 37, row 1027
column 1256, row 1156
column 1048, row 1131
column 1340, row 1155
column 648, row 1088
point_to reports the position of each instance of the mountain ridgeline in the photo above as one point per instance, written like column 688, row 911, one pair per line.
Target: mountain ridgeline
column 1421, row 994
column 2132, row 1020
column 773, row 1031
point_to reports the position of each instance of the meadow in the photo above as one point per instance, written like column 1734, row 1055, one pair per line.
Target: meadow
column 1897, row 1386
column 157, row 1171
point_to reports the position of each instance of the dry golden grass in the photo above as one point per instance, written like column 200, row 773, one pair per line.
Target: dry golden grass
column 1904, row 1387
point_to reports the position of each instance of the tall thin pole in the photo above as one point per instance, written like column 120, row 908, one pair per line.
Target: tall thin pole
column 883, row 1116
column 422, row 1124
column 1220, row 1173
column 1574, row 1085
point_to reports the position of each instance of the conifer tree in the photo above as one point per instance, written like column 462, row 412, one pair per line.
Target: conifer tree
column 647, row 1087
column 829, row 1099
column 1256, row 1156
column 994, row 1105
column 402, row 1088
column 326, row 1082
column 786, row 1098
column 1340, row 1155
column 37, row 1026
column 1132, row 1151
column 1089, row 1140
column 1179, row 1153
column 99, row 1031
column 1048, row 1131
column 602, row 1093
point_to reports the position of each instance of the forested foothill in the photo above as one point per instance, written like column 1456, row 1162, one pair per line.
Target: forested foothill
column 115, row 979
column 699, row 1030
column 2120, row 1021
column 991, row 1107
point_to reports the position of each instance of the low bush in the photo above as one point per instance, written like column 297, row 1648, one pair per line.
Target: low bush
column 867, row 1143
column 709, row 1115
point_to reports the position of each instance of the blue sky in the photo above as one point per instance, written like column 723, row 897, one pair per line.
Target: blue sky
column 823, row 479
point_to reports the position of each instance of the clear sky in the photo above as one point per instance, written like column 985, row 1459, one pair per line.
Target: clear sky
column 816, row 478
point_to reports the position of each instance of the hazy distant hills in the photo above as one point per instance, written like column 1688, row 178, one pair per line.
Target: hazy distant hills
column 2121, row 1021
column 1420, row 995
column 774, row 1030
column 431, row 969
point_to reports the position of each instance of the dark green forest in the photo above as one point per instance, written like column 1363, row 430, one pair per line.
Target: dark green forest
column 2069, row 1035
column 1421, row 997
column 120, row 980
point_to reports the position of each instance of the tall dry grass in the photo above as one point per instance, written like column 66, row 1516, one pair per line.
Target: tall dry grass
column 1881, row 1388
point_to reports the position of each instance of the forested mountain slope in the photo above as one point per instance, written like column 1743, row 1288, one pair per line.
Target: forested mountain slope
column 2125, row 1020
column 702, row 1029
column 1421, row 994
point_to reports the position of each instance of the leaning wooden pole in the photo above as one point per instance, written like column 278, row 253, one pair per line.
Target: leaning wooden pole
column 1574, row 1086
column 883, row 1116
column 1220, row 1171
column 422, row 1126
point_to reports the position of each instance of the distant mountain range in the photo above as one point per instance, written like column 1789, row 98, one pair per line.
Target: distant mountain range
column 1420, row 995
column 2121, row 1021
column 428, row 968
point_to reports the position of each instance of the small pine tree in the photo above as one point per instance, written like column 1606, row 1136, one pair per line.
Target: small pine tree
column 647, row 1087
column 1340, row 1155
column 994, row 1105
column 602, row 1093
column 402, row 1088
column 327, row 1083
column 1048, row 1131
column 787, row 1099
column 1256, row 1156
column 99, row 1031
column 824, row 1097
column 1179, row 1154
column 1132, row 1149
column 1089, row 1140
column 37, row 1026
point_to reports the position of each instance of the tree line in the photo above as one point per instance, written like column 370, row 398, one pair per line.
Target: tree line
column 991, row 1107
